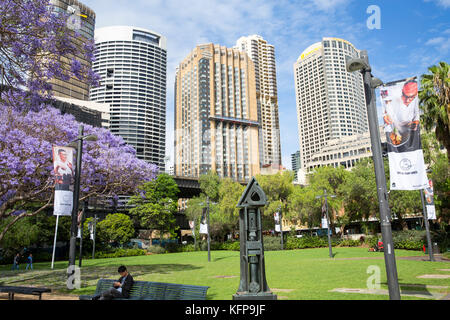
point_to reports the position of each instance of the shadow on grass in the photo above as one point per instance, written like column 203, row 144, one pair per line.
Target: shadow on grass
column 413, row 288
column 56, row 279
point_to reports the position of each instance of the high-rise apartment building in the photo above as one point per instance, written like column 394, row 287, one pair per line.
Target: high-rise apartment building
column 263, row 58
column 132, row 64
column 295, row 162
column 216, row 120
column 85, row 25
column 330, row 101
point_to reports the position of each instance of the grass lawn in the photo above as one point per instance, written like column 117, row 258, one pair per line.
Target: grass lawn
column 291, row 274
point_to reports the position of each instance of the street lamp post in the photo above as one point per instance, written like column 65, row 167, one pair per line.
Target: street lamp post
column 427, row 226
column 325, row 195
column 76, row 197
column 207, row 226
column 78, row 144
column 362, row 65
column 83, row 214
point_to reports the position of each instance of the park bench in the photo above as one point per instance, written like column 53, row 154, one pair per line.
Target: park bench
column 23, row 290
column 148, row 290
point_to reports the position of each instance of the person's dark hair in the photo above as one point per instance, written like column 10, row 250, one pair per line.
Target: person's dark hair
column 122, row 269
column 61, row 150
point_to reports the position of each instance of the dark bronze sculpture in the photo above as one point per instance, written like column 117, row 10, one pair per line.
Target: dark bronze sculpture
column 253, row 284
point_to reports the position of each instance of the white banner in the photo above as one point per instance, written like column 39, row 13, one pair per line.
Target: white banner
column 429, row 200
column 401, row 125
column 63, row 169
column 203, row 223
column 324, row 223
column 276, row 216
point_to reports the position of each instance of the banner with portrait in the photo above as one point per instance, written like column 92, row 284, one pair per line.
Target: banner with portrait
column 429, row 201
column 203, row 222
column 64, row 171
column 401, row 125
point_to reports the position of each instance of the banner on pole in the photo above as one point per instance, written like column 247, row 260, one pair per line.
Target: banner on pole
column 401, row 125
column 203, row 223
column 429, row 199
column 324, row 222
column 276, row 217
column 64, row 176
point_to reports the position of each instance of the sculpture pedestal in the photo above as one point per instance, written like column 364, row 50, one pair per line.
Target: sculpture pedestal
column 254, row 296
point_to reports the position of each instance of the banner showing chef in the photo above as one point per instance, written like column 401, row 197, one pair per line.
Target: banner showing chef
column 64, row 176
column 429, row 201
column 401, row 124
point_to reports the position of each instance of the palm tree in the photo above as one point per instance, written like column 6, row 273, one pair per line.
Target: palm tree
column 435, row 102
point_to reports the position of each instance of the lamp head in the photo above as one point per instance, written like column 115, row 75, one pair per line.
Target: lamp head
column 90, row 137
column 375, row 82
column 356, row 64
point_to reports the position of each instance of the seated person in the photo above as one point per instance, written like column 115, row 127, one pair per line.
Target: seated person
column 121, row 288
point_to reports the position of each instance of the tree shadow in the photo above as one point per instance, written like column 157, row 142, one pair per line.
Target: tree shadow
column 413, row 288
column 89, row 275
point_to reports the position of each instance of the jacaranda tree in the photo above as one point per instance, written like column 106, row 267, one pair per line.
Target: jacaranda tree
column 32, row 40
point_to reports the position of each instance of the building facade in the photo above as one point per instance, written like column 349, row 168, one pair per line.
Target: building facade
column 295, row 162
column 74, row 88
column 346, row 151
column 132, row 64
column 262, row 55
column 330, row 101
column 216, row 121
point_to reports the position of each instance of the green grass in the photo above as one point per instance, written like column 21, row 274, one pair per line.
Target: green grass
column 291, row 274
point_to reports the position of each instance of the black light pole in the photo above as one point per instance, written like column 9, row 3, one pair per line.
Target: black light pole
column 76, row 197
column 83, row 214
column 209, row 237
column 280, row 216
column 325, row 195
column 427, row 225
column 362, row 64
column 93, row 237
column 78, row 144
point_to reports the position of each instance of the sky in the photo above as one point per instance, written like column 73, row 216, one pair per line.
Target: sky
column 411, row 36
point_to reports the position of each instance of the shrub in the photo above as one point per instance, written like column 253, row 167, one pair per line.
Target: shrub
column 156, row 249
column 117, row 253
column 409, row 239
column 349, row 243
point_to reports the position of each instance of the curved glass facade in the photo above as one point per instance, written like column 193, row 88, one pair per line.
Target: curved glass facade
column 330, row 100
column 133, row 81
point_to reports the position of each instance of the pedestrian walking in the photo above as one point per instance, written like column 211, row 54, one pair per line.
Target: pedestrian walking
column 16, row 262
column 30, row 262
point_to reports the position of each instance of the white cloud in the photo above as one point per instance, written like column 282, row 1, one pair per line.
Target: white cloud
column 443, row 3
column 330, row 4
column 291, row 26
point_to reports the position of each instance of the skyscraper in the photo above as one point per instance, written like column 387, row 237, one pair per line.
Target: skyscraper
column 216, row 121
column 330, row 101
column 263, row 58
column 74, row 88
column 132, row 64
column 295, row 162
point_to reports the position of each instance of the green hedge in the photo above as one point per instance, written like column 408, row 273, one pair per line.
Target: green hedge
column 117, row 253
column 409, row 240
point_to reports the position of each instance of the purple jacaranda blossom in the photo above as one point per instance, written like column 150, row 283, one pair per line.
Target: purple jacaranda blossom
column 33, row 38
column 109, row 167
